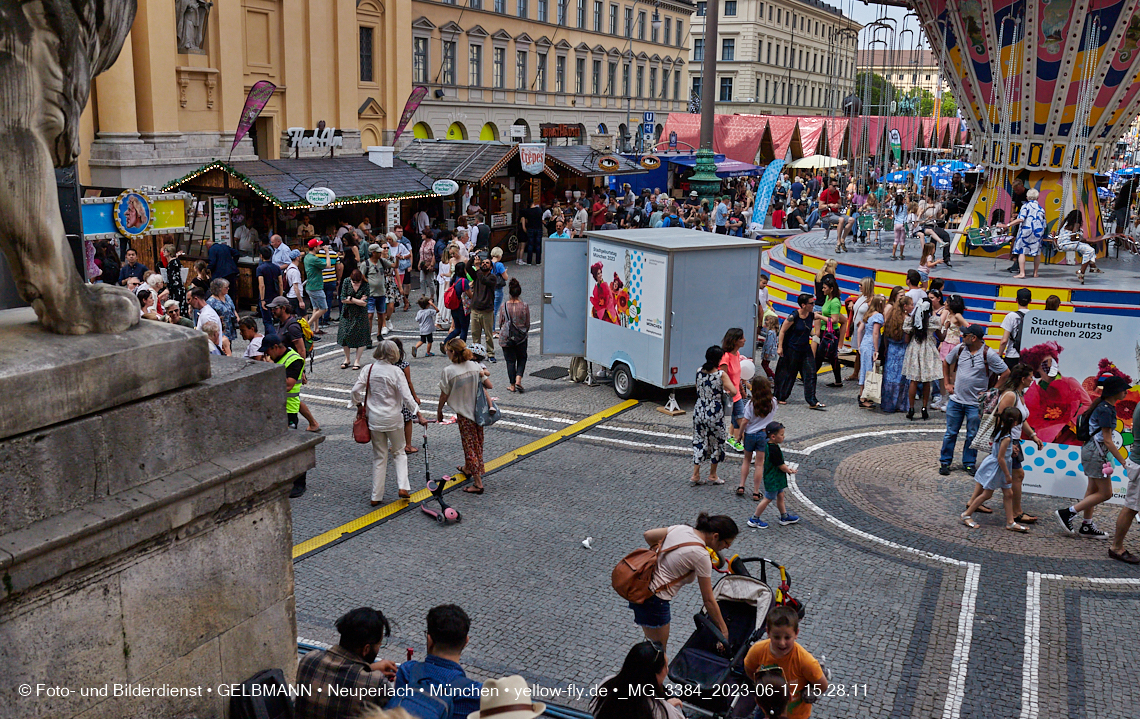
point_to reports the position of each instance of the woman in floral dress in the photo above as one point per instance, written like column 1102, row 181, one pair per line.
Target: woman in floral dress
column 353, row 331
column 713, row 386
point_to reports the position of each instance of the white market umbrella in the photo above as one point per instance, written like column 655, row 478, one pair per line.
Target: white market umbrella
column 814, row 161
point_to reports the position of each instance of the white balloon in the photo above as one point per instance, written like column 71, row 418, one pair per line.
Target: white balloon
column 747, row 369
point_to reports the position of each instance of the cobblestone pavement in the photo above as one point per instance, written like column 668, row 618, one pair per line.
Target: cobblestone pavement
column 915, row 614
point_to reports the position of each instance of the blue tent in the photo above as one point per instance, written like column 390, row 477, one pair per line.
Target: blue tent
column 955, row 165
column 897, row 177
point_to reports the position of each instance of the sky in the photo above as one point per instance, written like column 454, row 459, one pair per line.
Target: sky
column 867, row 14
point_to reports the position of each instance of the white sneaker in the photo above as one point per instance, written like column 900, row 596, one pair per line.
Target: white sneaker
column 384, row 331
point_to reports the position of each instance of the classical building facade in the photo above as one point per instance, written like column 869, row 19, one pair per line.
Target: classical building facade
column 904, row 69
column 794, row 57
column 579, row 67
column 173, row 99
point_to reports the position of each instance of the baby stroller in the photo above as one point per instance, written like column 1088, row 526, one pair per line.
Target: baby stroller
column 709, row 676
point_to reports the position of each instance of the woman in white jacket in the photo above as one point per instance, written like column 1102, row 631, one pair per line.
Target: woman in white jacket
column 383, row 390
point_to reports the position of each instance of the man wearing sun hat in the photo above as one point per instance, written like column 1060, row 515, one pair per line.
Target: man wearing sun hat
column 507, row 698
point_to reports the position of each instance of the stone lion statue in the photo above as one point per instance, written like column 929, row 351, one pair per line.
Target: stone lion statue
column 49, row 52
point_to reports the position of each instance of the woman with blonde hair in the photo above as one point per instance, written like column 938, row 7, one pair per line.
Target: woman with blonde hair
column 458, row 383
column 382, row 389
column 858, row 312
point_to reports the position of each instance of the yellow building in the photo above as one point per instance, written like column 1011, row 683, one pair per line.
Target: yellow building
column 580, row 67
column 173, row 99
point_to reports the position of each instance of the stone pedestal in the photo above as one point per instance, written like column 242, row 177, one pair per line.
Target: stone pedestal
column 147, row 541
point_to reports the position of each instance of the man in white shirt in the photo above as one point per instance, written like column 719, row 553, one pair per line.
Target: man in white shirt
column 914, row 287
column 247, row 237
column 280, row 252
column 581, row 220
column 423, row 221
column 295, row 293
column 205, row 312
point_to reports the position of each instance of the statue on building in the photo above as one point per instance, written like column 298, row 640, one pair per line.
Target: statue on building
column 191, row 16
column 49, row 52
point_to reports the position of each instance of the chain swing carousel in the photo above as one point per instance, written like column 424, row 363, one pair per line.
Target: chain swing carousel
column 1047, row 88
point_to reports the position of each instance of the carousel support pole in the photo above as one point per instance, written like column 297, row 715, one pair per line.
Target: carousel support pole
column 705, row 180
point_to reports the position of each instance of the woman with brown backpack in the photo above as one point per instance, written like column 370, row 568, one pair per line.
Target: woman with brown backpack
column 681, row 555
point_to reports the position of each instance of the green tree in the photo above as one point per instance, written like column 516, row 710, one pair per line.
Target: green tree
column 949, row 105
column 876, row 92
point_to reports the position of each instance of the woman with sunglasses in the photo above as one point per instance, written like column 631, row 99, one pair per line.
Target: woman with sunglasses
column 638, row 690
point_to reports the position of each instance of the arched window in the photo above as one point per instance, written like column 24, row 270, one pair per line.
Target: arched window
column 422, row 131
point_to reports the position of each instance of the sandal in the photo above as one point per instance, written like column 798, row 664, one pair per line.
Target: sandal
column 511, row 388
column 356, row 366
column 1015, row 527
column 344, row 366
column 834, row 384
column 718, row 480
column 1024, row 518
column 696, row 482
column 969, row 521
column 866, row 405
column 986, row 510
column 473, row 490
column 820, row 406
column 755, row 496
column 1125, row 556
column 740, row 491
column 410, row 450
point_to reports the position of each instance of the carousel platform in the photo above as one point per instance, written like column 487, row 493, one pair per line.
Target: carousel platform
column 985, row 285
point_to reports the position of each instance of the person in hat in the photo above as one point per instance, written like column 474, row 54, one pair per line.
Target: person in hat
column 315, row 265
column 294, row 366
column 1101, row 419
column 294, row 292
column 969, row 367
column 507, row 698
column 1011, row 326
column 350, row 664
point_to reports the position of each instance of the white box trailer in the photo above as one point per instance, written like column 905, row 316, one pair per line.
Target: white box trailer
column 646, row 304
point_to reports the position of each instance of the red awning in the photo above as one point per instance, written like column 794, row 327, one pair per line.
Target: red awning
column 782, row 127
column 837, row 128
column 737, row 137
column 811, row 133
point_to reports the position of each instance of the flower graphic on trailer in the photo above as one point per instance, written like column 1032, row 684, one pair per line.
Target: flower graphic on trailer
column 637, row 262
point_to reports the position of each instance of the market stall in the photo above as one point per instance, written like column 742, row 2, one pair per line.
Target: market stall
column 278, row 196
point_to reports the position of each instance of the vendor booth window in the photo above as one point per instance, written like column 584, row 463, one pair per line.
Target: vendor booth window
column 366, row 62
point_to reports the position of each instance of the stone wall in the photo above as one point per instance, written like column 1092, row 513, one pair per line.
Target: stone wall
column 150, row 545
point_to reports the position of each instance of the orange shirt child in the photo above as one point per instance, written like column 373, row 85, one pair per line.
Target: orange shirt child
column 799, row 667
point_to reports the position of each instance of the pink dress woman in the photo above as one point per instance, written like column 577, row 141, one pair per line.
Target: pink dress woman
column 605, row 308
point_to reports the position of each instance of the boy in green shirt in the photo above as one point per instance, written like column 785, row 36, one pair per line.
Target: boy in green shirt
column 776, row 473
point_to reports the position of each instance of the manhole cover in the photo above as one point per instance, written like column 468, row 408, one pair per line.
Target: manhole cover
column 552, row 373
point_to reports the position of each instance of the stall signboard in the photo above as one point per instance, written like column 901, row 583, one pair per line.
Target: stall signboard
column 555, row 130
column 393, row 214
column 320, row 196
column 1090, row 344
column 322, row 137
column 220, row 217
column 518, row 131
column 445, row 187
column 532, row 157
column 501, row 220
column 627, row 287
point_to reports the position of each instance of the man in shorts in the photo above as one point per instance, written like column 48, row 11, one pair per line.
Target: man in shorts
column 315, row 265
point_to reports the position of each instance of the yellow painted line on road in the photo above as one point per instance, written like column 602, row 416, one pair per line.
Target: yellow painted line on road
column 381, row 513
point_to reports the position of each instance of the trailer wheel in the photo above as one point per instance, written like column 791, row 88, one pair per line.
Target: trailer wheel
column 624, row 383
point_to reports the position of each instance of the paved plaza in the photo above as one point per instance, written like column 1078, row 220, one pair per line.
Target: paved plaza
column 916, row 615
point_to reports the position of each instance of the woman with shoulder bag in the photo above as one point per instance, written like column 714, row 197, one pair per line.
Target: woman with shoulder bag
column 382, row 389
column 458, row 384
column 1012, row 394
column 514, row 327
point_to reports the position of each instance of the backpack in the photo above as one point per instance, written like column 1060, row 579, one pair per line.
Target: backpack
column 306, row 330
column 413, row 693
column 634, row 573
column 451, row 299
column 1084, row 432
column 1015, row 339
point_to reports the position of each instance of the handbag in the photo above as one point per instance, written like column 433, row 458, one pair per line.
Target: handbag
column 988, row 403
column 486, row 413
column 360, row 430
column 873, row 384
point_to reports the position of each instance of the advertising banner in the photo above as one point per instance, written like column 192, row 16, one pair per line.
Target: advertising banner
column 1085, row 345
column 532, row 157
column 255, row 101
column 410, row 108
column 764, row 195
column 896, row 143
column 627, row 287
